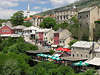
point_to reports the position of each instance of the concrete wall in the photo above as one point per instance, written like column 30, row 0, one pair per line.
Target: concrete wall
column 87, row 19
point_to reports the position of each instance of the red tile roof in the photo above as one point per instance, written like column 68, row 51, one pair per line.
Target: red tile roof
column 28, row 19
column 38, row 16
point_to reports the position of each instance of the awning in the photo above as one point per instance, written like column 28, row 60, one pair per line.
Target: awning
column 63, row 49
column 43, row 55
column 80, row 63
column 59, row 49
column 49, row 56
column 94, row 61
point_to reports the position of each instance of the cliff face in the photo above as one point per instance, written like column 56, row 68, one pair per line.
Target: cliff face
column 79, row 4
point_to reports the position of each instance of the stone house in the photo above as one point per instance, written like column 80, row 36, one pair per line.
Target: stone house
column 82, row 49
column 64, row 15
column 87, row 18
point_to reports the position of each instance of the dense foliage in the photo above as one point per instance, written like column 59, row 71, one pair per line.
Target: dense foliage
column 13, row 60
column 14, row 64
column 16, row 45
column 73, row 27
column 27, row 24
column 18, row 19
column 2, row 21
column 49, row 68
column 48, row 23
column 61, row 25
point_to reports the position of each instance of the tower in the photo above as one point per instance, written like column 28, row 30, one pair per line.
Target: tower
column 28, row 10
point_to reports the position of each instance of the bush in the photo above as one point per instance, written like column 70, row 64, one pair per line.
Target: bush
column 51, row 52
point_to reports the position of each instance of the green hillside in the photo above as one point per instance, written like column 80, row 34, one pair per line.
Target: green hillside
column 79, row 4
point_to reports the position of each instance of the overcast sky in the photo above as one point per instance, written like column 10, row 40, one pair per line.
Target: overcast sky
column 8, row 7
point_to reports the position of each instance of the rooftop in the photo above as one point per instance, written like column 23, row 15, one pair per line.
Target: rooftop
column 43, row 30
column 10, row 35
column 38, row 51
column 94, row 61
column 19, row 27
column 83, row 44
column 73, row 59
column 31, row 28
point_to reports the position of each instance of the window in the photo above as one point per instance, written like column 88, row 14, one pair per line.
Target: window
column 61, row 17
column 5, row 30
column 80, row 17
column 64, row 17
column 31, row 31
column 81, row 55
column 86, row 15
column 77, row 55
column 73, row 55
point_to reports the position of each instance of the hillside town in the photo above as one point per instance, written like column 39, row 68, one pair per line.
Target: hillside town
column 60, row 46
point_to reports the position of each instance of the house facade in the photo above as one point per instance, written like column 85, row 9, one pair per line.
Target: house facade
column 6, row 30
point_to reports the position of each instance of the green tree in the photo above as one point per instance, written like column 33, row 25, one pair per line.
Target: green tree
column 49, row 68
column 73, row 27
column 16, row 45
column 61, row 25
column 48, row 23
column 13, row 64
column 72, row 42
column 27, row 24
column 17, row 18
column 2, row 21
column 64, row 25
column 56, row 27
